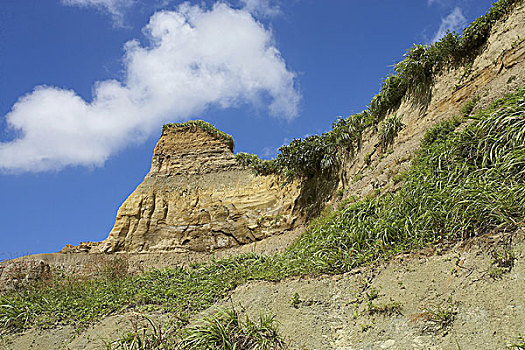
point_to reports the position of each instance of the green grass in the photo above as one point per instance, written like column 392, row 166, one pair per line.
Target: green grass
column 460, row 184
column 412, row 78
column 227, row 330
column 388, row 131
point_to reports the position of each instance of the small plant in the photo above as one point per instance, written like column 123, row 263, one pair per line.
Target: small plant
column 469, row 106
column 296, row 301
column 358, row 177
column 14, row 315
column 145, row 335
column 400, row 177
column 388, row 131
column 388, row 309
column 437, row 318
column 511, row 79
column 372, row 294
column 366, row 327
column 368, row 157
column 502, row 262
column 519, row 345
column 226, row 330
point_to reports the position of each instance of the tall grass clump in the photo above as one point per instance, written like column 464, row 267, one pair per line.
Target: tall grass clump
column 228, row 330
column 388, row 131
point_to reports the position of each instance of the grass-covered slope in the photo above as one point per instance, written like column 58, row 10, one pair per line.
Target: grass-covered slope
column 460, row 184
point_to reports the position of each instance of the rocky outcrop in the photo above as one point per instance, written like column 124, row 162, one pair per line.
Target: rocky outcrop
column 197, row 198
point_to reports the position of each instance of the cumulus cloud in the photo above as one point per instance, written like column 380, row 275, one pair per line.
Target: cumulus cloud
column 454, row 22
column 262, row 8
column 115, row 7
column 197, row 58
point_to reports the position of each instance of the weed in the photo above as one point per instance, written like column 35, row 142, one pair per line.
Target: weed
column 400, row 177
column 145, row 335
column 372, row 294
column 388, row 131
column 226, row 330
column 358, row 178
column 469, row 106
column 296, row 301
column 519, row 345
column 366, row 327
column 437, row 318
column 388, row 309
column 368, row 157
column 502, row 262
column 511, row 79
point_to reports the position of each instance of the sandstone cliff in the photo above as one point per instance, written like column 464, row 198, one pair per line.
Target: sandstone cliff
column 197, row 198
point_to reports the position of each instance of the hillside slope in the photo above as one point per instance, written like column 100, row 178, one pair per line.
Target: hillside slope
column 425, row 248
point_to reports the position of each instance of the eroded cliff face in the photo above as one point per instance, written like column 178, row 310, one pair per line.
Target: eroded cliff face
column 197, row 198
column 497, row 71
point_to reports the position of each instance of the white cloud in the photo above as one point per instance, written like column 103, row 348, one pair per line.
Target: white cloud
column 262, row 8
column 454, row 22
column 197, row 58
column 115, row 7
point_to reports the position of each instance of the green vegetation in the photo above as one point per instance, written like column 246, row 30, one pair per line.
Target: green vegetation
column 519, row 345
column 226, row 330
column 412, row 77
column 389, row 309
column 415, row 74
column 260, row 166
column 438, row 318
column 388, row 131
column 469, row 106
column 460, row 184
column 502, row 262
column 201, row 124
column 145, row 335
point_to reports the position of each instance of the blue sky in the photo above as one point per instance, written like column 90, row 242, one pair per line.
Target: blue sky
column 86, row 85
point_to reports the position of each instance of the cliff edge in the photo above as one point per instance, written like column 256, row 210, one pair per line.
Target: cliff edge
column 197, row 198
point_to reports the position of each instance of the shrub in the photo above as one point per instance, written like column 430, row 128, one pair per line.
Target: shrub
column 260, row 166
column 388, row 131
column 307, row 157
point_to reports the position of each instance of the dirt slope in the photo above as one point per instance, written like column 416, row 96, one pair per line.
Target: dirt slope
column 432, row 299
column 486, row 308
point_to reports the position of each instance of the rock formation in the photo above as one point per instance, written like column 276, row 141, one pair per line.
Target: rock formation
column 197, row 198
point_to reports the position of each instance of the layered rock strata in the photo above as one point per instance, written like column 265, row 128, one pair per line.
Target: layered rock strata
column 197, row 198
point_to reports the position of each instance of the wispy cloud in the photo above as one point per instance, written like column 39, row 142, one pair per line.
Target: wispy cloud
column 197, row 58
column 263, row 8
column 454, row 22
column 115, row 8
